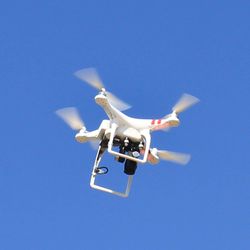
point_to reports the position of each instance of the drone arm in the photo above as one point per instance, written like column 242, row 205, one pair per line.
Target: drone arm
column 84, row 136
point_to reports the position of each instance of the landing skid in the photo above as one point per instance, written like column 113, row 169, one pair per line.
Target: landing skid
column 95, row 171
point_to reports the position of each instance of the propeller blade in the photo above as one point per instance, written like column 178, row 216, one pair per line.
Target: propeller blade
column 94, row 144
column 185, row 102
column 71, row 116
column 116, row 102
column 90, row 76
column 174, row 156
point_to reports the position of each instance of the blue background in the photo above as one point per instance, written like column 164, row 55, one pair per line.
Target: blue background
column 148, row 53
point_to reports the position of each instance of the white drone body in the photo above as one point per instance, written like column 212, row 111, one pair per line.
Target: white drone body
column 131, row 136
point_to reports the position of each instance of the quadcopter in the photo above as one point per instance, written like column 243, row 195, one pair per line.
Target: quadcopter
column 127, row 139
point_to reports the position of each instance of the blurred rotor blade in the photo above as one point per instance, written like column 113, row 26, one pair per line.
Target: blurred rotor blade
column 71, row 116
column 90, row 76
column 94, row 144
column 174, row 156
column 116, row 102
column 166, row 129
column 185, row 102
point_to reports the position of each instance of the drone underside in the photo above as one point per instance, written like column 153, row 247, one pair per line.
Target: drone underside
column 126, row 138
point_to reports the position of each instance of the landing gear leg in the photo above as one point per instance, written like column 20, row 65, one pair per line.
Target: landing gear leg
column 103, row 170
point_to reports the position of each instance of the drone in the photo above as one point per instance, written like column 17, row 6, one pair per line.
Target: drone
column 127, row 139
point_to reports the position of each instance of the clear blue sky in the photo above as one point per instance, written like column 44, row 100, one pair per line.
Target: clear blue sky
column 148, row 53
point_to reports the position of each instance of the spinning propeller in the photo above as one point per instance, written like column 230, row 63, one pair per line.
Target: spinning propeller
column 91, row 77
column 185, row 102
column 71, row 116
column 174, row 156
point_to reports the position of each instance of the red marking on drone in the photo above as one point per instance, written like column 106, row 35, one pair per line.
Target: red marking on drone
column 159, row 121
column 153, row 122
